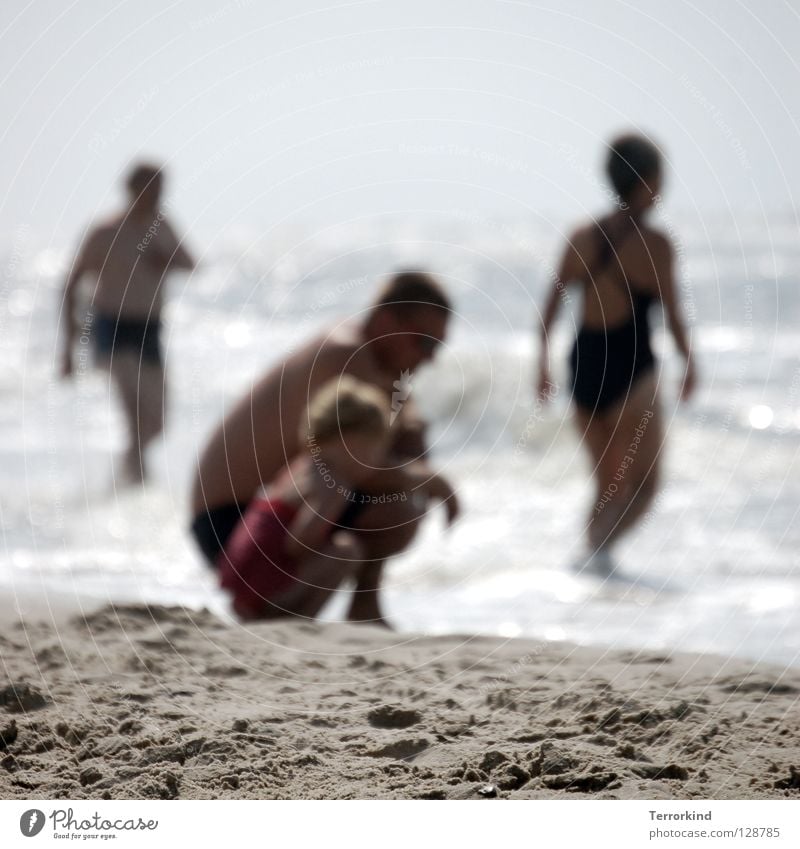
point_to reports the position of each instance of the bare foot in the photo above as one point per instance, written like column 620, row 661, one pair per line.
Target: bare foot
column 369, row 617
column 129, row 473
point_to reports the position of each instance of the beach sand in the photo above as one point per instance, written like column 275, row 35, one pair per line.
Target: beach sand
column 155, row 702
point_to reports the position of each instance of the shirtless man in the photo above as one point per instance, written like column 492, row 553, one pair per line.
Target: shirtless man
column 129, row 257
column 259, row 437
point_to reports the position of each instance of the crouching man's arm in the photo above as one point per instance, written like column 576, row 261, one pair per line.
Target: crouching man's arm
column 387, row 526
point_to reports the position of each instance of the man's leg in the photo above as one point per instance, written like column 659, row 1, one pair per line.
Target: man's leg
column 382, row 530
column 124, row 368
column 152, row 401
column 141, row 386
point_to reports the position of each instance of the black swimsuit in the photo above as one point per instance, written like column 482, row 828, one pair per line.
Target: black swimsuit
column 127, row 334
column 605, row 363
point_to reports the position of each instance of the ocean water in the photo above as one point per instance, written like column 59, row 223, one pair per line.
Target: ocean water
column 714, row 566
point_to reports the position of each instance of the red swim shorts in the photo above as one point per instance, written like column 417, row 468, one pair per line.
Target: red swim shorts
column 254, row 566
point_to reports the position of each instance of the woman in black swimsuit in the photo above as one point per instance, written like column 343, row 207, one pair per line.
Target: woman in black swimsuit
column 622, row 265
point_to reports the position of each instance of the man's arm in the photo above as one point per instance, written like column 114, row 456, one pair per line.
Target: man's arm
column 172, row 254
column 414, row 479
column 408, row 433
column 84, row 262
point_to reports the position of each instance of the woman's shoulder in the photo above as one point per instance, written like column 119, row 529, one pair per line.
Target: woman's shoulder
column 582, row 240
column 585, row 233
column 657, row 241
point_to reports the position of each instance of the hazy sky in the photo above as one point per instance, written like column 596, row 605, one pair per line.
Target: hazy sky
column 288, row 110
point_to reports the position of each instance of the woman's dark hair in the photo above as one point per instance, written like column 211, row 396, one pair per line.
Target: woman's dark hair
column 632, row 161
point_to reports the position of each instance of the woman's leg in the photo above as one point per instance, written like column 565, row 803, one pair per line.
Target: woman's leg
column 641, row 437
column 596, row 436
column 629, row 470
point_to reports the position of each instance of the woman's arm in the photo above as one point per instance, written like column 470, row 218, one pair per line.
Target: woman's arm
column 568, row 270
column 664, row 256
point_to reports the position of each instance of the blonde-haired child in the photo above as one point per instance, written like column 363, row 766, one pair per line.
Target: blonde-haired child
column 293, row 550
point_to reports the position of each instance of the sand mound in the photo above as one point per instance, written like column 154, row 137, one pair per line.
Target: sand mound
column 156, row 702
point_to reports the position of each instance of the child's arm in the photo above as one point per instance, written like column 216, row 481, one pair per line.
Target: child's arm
column 313, row 525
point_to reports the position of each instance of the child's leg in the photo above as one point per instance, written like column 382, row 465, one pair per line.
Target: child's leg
column 318, row 577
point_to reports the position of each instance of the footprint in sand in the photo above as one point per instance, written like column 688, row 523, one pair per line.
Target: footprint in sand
column 21, row 698
column 389, row 716
column 401, row 750
column 746, row 684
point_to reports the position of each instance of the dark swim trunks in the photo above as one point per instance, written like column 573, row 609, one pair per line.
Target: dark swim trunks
column 212, row 529
column 113, row 335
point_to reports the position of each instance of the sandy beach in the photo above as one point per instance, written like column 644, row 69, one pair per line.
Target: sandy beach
column 162, row 703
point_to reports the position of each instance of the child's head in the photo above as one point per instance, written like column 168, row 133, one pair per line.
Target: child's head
column 347, row 420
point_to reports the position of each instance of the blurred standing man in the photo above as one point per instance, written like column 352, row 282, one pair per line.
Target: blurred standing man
column 129, row 257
